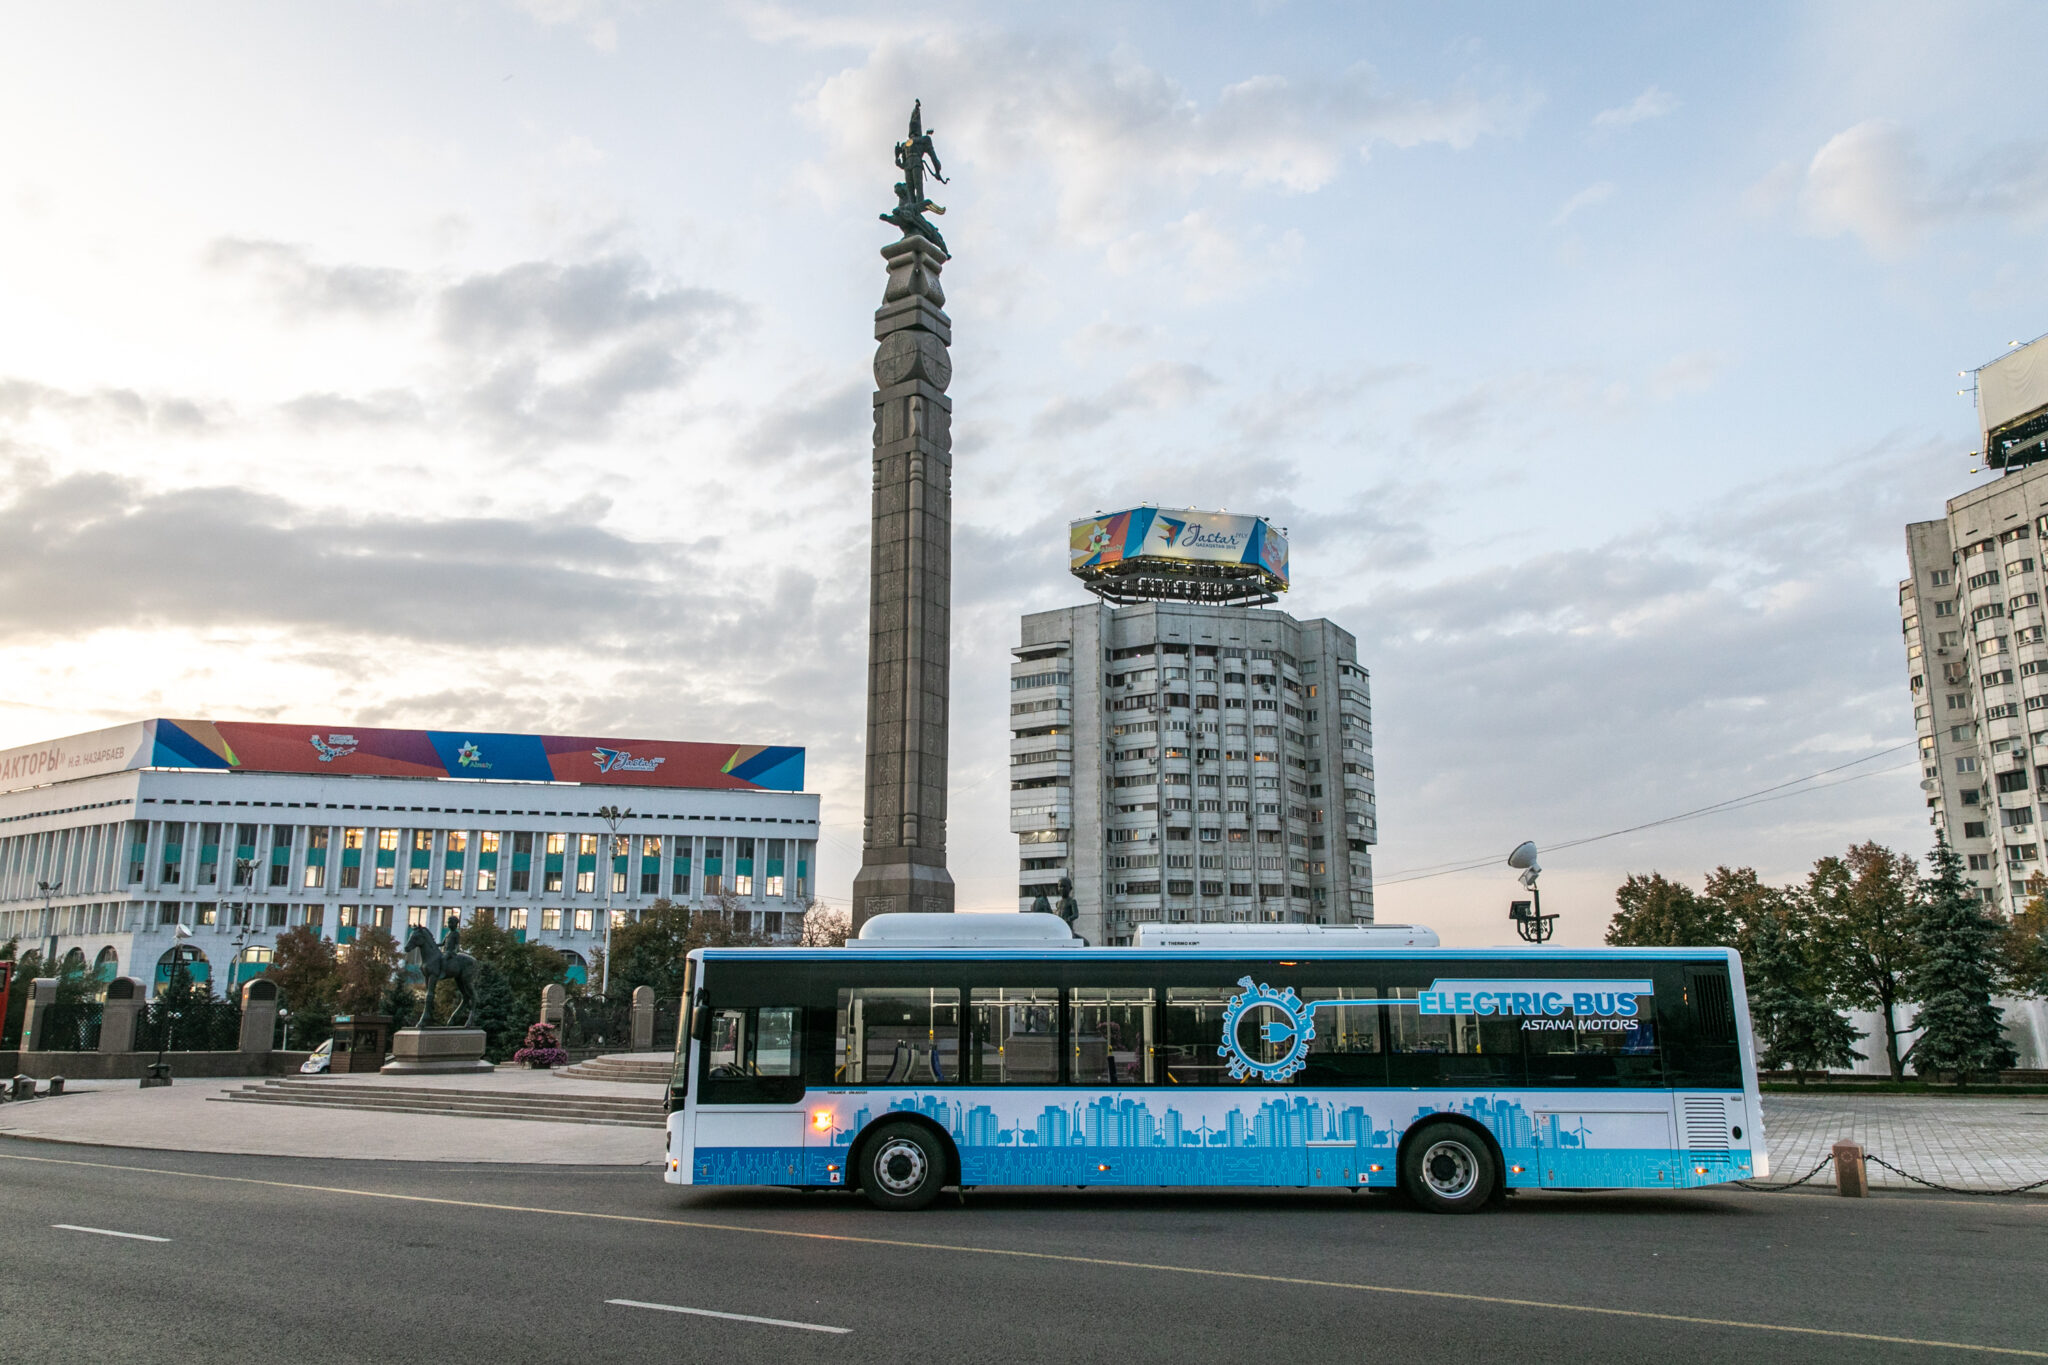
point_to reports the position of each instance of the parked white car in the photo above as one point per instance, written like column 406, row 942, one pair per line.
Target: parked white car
column 322, row 1058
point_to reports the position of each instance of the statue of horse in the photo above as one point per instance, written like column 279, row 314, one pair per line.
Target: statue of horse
column 458, row 967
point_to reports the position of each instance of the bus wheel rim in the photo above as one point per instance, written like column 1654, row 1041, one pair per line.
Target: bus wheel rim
column 900, row 1166
column 1449, row 1169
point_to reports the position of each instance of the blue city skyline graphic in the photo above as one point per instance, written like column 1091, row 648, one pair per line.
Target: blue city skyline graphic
column 1115, row 1120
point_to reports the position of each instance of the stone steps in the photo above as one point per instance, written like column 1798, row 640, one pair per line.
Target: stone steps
column 643, row 1068
column 628, row 1112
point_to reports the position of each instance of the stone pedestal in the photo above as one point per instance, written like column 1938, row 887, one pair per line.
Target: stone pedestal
column 436, row 1051
column 42, row 997
column 553, row 1003
column 126, row 998
column 259, row 1015
column 643, row 1018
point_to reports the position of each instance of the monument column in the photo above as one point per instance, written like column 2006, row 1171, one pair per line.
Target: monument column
column 910, row 570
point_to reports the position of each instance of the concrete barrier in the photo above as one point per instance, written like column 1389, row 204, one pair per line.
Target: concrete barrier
column 643, row 1018
column 127, row 997
column 42, row 993
column 259, row 1015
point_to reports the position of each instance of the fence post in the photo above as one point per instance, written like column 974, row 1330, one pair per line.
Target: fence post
column 1849, row 1174
column 259, row 1015
column 552, row 999
column 42, row 994
column 117, row 1017
column 643, row 1018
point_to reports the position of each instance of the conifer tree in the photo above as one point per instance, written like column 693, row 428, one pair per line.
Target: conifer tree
column 1955, row 971
column 1796, row 1015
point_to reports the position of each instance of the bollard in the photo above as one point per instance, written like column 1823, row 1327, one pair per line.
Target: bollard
column 24, row 1087
column 1849, row 1179
column 56, row 1085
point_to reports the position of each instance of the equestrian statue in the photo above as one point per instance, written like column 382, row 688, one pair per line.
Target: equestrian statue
column 444, row 961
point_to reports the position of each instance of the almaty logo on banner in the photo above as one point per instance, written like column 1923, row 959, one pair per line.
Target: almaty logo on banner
column 470, row 756
column 620, row 761
column 333, row 747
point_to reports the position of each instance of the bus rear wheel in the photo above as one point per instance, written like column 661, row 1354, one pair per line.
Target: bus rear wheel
column 1449, row 1169
column 902, row 1168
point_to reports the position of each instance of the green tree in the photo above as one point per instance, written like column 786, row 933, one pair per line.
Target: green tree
column 2024, row 944
column 1865, row 903
column 1954, row 974
column 1791, row 1001
column 305, row 967
column 498, row 1013
column 650, row 951
column 1655, row 912
column 364, row 973
column 525, row 967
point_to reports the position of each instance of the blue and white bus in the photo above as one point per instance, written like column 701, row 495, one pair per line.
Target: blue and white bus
column 966, row 1050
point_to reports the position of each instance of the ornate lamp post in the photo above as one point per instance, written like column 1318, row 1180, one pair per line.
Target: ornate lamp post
column 611, row 815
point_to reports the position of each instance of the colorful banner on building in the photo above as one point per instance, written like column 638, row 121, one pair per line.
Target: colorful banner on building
column 1176, row 534
column 251, row 746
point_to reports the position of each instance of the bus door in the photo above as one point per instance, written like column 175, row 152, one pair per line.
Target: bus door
column 750, row 1116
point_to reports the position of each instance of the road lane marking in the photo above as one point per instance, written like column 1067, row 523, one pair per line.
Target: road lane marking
column 730, row 1317
column 1398, row 1291
column 109, row 1232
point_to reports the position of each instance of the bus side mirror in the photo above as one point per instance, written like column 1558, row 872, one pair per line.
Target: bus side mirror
column 700, row 1019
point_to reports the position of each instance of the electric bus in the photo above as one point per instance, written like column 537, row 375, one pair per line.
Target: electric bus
column 965, row 1050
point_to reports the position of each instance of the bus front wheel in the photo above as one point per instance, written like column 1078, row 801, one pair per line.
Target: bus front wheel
column 902, row 1168
column 1448, row 1169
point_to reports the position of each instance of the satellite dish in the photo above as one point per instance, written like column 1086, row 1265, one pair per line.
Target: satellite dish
column 184, row 932
column 1524, row 855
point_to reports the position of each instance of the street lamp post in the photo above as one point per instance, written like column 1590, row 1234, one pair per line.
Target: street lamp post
column 611, row 815
column 49, row 891
column 159, row 1074
column 1530, row 922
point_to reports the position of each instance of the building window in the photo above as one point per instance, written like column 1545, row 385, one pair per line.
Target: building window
column 416, row 878
column 552, row 879
column 515, row 920
column 380, row 916
column 551, row 919
column 586, row 882
column 583, row 921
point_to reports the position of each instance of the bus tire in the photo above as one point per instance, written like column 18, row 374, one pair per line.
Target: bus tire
column 902, row 1167
column 1448, row 1168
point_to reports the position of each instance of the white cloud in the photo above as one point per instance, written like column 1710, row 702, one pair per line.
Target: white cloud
column 1693, row 372
column 1114, row 134
column 1872, row 181
column 1652, row 103
column 1597, row 193
column 1868, row 180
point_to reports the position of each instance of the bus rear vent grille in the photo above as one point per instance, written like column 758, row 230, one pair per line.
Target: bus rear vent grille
column 1706, row 1124
column 1713, row 1006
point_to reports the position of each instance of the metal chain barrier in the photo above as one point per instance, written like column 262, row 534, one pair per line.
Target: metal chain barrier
column 1947, row 1189
column 1775, row 1187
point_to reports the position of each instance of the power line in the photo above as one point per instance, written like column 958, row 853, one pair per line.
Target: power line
column 1761, row 796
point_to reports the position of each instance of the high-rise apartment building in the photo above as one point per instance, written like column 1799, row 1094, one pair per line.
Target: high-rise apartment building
column 1191, row 761
column 1976, row 656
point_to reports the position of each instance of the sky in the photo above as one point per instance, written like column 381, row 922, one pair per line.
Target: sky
column 505, row 366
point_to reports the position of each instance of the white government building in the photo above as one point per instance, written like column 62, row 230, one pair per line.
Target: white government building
column 110, row 840
column 1187, row 760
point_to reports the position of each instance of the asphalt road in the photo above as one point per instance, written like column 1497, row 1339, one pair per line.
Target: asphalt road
column 275, row 1260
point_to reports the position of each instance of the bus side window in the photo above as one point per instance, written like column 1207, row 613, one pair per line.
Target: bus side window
column 1013, row 1035
column 1114, row 1035
column 1451, row 1049
column 899, row 1035
column 1192, row 1029
column 1347, row 1047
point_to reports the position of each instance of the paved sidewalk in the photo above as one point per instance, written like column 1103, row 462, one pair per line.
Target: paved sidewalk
column 182, row 1118
column 1967, row 1142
